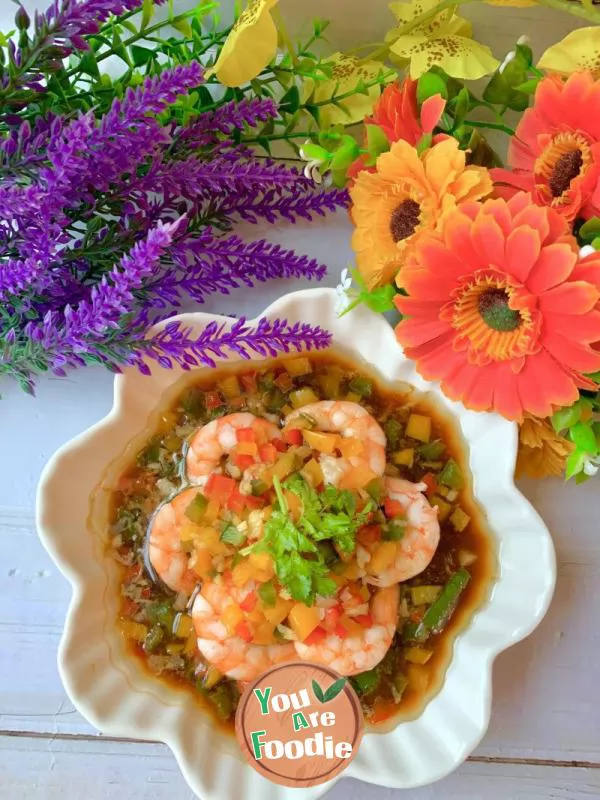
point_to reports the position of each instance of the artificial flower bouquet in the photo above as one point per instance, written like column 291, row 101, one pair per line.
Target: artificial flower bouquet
column 492, row 267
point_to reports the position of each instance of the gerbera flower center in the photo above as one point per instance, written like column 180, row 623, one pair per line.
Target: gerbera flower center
column 567, row 167
column 405, row 219
column 495, row 311
column 566, row 157
column 484, row 313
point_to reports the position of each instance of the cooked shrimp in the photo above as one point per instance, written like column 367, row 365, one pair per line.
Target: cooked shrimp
column 419, row 543
column 165, row 552
column 350, row 421
column 229, row 653
column 358, row 652
column 218, row 438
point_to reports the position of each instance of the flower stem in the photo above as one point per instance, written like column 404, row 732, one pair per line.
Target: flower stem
column 492, row 125
column 577, row 9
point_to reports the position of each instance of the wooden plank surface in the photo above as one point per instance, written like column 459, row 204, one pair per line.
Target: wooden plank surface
column 546, row 694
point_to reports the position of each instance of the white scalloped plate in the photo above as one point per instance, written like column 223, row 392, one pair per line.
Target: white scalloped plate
column 110, row 689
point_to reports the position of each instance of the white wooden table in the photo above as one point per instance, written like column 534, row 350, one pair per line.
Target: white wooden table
column 544, row 737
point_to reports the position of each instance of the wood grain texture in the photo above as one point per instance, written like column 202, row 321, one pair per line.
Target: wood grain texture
column 546, row 693
column 107, row 770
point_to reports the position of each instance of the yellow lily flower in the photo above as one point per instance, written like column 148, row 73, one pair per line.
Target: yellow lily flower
column 442, row 41
column 250, row 46
column 515, row 3
column 346, row 73
column 579, row 50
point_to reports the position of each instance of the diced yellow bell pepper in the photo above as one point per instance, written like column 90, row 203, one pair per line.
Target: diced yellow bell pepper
column 191, row 644
column 350, row 447
column 183, row 626
column 277, row 613
column 211, row 513
column 303, row 397
column 286, row 410
column 418, row 427
column 133, row 630
column 444, row 508
column 297, row 366
column 417, row 655
column 174, row 649
column 246, row 448
column 212, row 676
column 242, row 573
column 352, row 397
column 230, row 387
column 353, row 628
column 357, row 478
column 330, row 385
column 263, row 633
column 418, row 677
column 168, row 420
column 404, row 458
column 313, row 473
column 294, row 505
column 351, row 571
column 231, row 616
column 261, row 561
column 282, row 468
column 459, row 519
column 188, row 532
column 383, row 557
column 303, row 620
column 323, row 442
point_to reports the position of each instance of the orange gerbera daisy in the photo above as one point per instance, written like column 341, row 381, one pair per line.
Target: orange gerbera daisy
column 397, row 114
column 555, row 153
column 407, row 194
column 500, row 311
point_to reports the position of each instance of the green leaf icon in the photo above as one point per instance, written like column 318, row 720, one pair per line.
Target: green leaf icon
column 318, row 692
column 334, row 689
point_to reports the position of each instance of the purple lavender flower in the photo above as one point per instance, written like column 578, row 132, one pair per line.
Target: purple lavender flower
column 246, row 113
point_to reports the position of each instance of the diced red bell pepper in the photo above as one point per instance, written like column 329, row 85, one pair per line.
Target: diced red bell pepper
column 332, row 615
column 392, row 508
column 369, row 534
column 146, row 592
column 284, row 381
column 430, row 481
column 279, row 445
column 242, row 629
column 293, row 436
column 130, row 607
column 242, row 461
column 133, row 573
column 219, row 488
column 213, row 400
column 245, row 435
column 366, row 620
column 340, row 631
column 267, row 453
column 237, row 501
column 249, row 382
column 249, row 602
column 316, row 636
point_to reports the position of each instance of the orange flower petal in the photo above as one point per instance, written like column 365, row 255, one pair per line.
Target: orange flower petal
column 577, row 296
column 588, row 325
column 413, row 332
column 507, row 400
column 554, row 265
column 579, row 357
column 488, row 238
column 431, row 112
column 522, row 251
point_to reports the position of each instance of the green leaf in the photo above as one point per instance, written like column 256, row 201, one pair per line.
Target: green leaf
column 377, row 141
column 318, row 692
column 583, row 436
column 462, row 105
column 424, row 143
column 575, row 463
column 566, row 417
column 528, row 87
column 590, row 229
column 290, row 102
column 88, row 64
column 430, row 84
column 345, row 154
column 313, row 152
column 141, row 55
column 524, row 55
column 147, row 13
column 184, row 27
column 334, row 689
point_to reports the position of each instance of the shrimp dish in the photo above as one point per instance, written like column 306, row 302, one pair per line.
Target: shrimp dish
column 298, row 511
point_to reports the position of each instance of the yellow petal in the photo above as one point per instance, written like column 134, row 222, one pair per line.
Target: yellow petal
column 516, row 3
column 446, row 19
column 250, row 46
column 579, row 50
column 458, row 56
column 346, row 73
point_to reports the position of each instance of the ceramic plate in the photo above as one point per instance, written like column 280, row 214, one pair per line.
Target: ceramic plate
column 109, row 687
